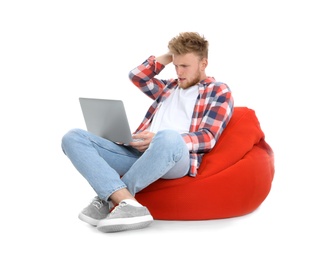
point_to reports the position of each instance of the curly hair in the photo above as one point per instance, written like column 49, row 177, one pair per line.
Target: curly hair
column 189, row 42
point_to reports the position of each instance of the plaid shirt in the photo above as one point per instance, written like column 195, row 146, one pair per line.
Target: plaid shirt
column 212, row 111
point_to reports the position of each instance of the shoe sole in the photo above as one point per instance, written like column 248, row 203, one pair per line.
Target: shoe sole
column 89, row 220
column 116, row 225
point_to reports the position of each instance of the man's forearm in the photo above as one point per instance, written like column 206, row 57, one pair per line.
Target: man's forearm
column 165, row 59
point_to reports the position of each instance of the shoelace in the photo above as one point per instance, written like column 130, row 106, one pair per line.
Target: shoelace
column 117, row 207
column 98, row 203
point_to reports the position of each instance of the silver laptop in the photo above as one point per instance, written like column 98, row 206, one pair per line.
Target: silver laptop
column 106, row 118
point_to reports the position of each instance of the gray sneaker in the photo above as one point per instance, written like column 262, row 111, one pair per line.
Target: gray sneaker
column 125, row 217
column 98, row 209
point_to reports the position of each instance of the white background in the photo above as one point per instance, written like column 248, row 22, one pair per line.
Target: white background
column 277, row 57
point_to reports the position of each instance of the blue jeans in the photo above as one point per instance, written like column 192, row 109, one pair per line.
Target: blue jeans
column 108, row 166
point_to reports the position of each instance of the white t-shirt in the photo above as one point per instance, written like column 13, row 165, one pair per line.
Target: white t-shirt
column 176, row 111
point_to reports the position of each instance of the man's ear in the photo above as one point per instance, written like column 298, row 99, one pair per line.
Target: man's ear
column 204, row 63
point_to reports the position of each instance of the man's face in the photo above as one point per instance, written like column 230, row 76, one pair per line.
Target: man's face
column 189, row 69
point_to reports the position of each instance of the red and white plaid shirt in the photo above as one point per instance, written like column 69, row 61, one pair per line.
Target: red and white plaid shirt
column 212, row 112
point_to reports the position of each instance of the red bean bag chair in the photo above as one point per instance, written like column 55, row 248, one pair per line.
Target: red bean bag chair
column 233, row 179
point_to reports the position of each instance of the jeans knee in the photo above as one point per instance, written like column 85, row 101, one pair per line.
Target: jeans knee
column 168, row 137
column 70, row 137
column 170, row 140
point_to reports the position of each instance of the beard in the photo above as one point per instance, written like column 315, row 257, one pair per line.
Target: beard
column 191, row 83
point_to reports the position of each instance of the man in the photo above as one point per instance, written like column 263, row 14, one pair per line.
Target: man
column 184, row 122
